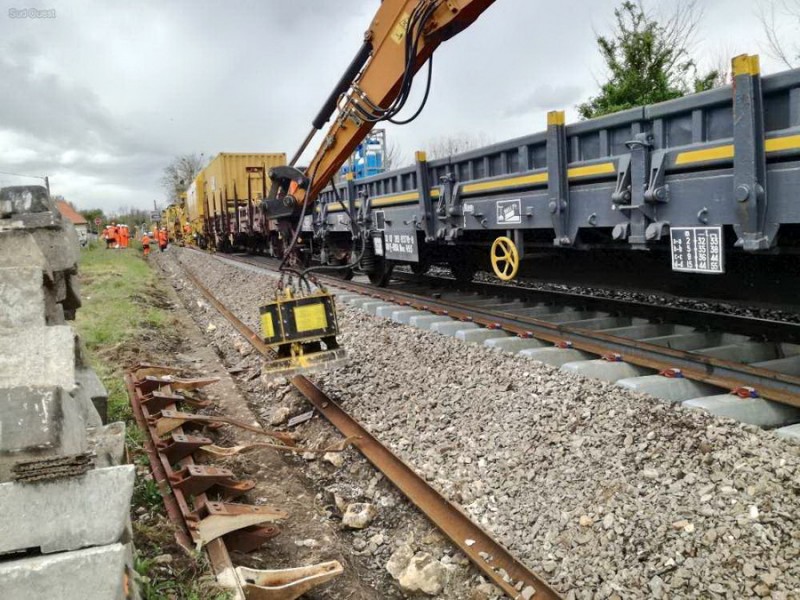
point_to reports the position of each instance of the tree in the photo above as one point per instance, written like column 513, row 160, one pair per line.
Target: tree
column 449, row 145
column 179, row 174
column 648, row 59
column 393, row 157
column 780, row 20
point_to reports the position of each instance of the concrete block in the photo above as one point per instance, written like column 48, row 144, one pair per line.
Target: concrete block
column 555, row 356
column 360, row 301
column 22, row 297
column 60, row 247
column 479, row 336
column 92, row 396
column 747, row 352
column 604, row 370
column 108, row 444
column 513, row 345
column 66, row 514
column 791, row 432
column 38, row 423
column 38, row 356
column 648, row 330
column 427, row 320
column 669, row 389
column 385, row 312
column 90, row 574
column 789, row 365
column 346, row 298
column 404, row 315
column 452, row 328
column 371, row 308
column 755, row 411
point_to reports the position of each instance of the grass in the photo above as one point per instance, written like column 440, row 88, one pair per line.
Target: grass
column 124, row 320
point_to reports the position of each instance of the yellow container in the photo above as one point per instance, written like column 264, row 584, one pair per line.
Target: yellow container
column 239, row 176
column 195, row 199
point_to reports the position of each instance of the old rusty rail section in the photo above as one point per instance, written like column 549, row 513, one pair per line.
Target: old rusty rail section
column 174, row 500
column 488, row 555
column 770, row 385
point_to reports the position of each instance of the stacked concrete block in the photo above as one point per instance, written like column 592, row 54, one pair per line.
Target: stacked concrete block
column 64, row 490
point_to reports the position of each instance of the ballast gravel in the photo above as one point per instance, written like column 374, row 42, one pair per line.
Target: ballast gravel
column 605, row 493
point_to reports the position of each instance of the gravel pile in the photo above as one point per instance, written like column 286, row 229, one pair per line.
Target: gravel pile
column 608, row 494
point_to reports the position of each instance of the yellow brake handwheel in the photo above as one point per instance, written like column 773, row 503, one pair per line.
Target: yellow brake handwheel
column 505, row 258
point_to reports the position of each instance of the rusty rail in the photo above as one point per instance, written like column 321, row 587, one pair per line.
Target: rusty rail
column 497, row 563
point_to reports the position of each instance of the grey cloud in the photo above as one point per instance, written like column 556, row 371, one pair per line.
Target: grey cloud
column 544, row 97
column 118, row 88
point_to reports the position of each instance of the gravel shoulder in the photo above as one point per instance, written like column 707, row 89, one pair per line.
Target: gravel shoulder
column 606, row 493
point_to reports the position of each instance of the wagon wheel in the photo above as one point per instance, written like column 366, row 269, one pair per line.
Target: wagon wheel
column 505, row 258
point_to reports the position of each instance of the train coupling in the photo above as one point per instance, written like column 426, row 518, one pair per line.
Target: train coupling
column 302, row 331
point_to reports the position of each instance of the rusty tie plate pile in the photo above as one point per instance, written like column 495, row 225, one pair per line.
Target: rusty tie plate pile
column 202, row 499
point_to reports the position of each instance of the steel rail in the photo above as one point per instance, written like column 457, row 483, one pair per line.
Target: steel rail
column 770, row 385
column 767, row 329
column 497, row 563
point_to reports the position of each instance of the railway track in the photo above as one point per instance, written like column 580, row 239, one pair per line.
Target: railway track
column 502, row 568
column 735, row 366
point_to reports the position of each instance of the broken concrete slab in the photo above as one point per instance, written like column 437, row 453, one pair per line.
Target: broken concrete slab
column 90, row 574
column 38, row 356
column 92, row 396
column 37, row 423
column 22, row 297
column 108, row 444
column 66, row 514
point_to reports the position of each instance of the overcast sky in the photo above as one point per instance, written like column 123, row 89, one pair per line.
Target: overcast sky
column 101, row 96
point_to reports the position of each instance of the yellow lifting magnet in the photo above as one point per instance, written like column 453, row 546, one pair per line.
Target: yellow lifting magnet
column 302, row 331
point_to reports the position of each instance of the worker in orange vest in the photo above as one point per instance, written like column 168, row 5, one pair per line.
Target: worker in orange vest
column 145, row 243
column 163, row 239
column 114, row 234
column 123, row 236
column 107, row 236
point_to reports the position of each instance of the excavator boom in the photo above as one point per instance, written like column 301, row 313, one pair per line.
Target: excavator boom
column 401, row 38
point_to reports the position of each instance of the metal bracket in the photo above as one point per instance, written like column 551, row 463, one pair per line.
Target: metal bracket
column 285, row 584
column 622, row 191
column 180, row 446
column 215, row 519
column 250, row 538
column 657, row 190
column 193, row 480
column 557, row 181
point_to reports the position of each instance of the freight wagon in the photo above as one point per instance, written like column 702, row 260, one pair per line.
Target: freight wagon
column 699, row 184
column 223, row 201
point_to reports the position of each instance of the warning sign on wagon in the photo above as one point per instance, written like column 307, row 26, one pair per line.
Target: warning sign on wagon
column 697, row 249
column 401, row 246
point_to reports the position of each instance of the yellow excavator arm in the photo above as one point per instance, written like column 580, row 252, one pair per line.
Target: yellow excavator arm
column 401, row 38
